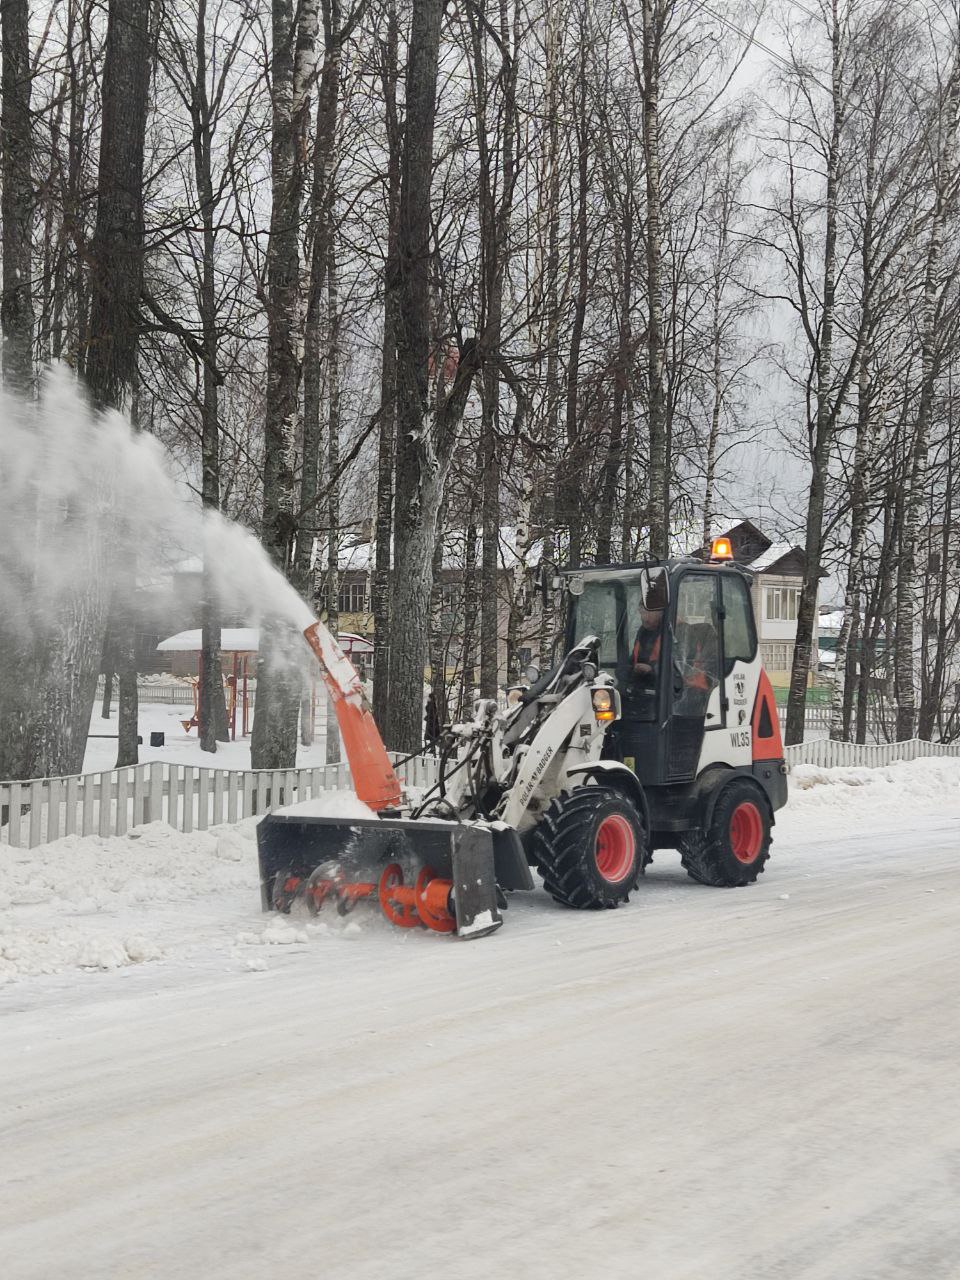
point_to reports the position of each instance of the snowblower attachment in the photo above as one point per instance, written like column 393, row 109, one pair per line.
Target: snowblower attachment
column 441, row 875
column 438, row 874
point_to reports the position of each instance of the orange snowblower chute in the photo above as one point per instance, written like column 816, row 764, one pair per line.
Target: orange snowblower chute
column 374, row 780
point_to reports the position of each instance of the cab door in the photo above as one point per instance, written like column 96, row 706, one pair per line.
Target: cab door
column 696, row 696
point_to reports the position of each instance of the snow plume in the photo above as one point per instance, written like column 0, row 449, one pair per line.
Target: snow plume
column 75, row 486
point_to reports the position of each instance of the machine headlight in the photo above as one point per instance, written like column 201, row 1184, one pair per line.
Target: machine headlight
column 604, row 705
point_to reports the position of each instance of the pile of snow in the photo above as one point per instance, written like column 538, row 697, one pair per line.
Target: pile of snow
column 88, row 901
column 849, row 798
column 95, row 902
column 333, row 804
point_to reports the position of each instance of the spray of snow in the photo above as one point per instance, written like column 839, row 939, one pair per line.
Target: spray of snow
column 75, row 486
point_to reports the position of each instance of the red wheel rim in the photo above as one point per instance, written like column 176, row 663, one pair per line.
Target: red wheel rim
column 616, row 848
column 746, row 832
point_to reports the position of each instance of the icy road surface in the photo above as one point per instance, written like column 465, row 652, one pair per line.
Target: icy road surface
column 714, row 1085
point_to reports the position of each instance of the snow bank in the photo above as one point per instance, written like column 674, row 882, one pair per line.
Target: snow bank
column 85, row 901
column 849, row 798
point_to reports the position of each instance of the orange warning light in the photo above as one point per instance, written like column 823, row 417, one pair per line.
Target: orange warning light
column 721, row 549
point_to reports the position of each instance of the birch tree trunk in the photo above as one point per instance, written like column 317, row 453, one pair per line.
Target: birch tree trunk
column 906, row 602
column 471, row 610
column 212, row 710
column 841, row 701
column 333, row 468
column 550, row 342
column 827, row 408
column 658, row 509
column 293, row 63
column 572, row 477
column 495, row 242
column 932, row 700
column 623, row 373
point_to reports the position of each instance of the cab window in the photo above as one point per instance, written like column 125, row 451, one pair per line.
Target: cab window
column 739, row 633
column 696, row 649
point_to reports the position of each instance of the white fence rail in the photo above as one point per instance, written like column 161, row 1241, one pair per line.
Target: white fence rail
column 192, row 798
column 827, row 754
column 186, row 797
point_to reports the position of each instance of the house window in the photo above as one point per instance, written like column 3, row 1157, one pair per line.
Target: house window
column 777, row 657
column 782, row 604
column 352, row 597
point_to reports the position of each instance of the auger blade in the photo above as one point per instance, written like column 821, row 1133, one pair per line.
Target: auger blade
column 472, row 856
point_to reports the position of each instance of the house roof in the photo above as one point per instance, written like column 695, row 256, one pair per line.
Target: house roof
column 247, row 640
column 232, row 640
column 775, row 552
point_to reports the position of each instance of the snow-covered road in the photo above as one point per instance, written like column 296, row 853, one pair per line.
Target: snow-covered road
column 713, row 1085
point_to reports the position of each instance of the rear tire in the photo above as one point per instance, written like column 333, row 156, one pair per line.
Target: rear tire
column 591, row 847
column 733, row 850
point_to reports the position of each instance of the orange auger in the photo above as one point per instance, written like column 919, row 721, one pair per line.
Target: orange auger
column 427, row 902
column 326, row 882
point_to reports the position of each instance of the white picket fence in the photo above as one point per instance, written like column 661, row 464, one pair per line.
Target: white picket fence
column 186, row 797
column 827, row 754
column 191, row 798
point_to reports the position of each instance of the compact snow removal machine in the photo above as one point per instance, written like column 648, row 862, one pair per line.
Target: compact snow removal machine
column 657, row 728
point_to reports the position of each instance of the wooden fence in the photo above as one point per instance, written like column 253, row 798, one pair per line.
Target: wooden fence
column 192, row 798
column 186, row 797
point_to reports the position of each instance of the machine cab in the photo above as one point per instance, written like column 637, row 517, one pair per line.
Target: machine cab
column 679, row 639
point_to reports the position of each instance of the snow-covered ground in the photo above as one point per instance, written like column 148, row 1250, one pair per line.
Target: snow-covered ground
column 182, row 746
column 704, row 1084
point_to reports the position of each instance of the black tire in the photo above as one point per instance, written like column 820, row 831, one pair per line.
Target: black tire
column 735, row 847
column 581, row 868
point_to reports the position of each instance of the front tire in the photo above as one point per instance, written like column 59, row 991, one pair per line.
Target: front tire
column 591, row 847
column 733, row 850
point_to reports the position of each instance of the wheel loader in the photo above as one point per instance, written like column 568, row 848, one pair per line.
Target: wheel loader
column 656, row 728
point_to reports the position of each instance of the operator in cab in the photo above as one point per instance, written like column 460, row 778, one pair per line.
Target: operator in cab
column 648, row 642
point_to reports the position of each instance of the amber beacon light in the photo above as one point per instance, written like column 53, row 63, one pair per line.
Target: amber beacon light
column 721, row 549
